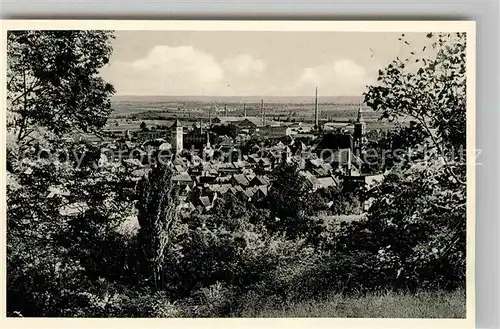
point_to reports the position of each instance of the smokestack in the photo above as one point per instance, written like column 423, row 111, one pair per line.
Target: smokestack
column 225, row 110
column 262, row 112
column 316, row 115
column 245, row 110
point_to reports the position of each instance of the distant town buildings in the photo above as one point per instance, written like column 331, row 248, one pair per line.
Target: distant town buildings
column 211, row 161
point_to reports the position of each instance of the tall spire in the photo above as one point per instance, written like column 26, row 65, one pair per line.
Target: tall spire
column 316, row 114
column 225, row 110
column 210, row 117
column 245, row 110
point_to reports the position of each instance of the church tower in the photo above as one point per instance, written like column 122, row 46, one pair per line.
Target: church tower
column 359, row 132
column 177, row 137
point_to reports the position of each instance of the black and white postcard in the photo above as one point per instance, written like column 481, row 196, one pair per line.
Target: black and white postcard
column 286, row 173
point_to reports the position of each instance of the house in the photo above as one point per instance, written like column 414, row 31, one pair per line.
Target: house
column 225, row 120
column 219, row 188
column 239, row 164
column 259, row 180
column 249, row 192
column 261, row 192
column 179, row 168
column 223, row 180
column 314, row 163
column 320, row 172
column 240, row 180
column 206, row 178
column 250, row 123
column 326, row 182
column 334, row 126
column 311, row 181
column 275, row 130
column 357, row 180
column 183, row 179
column 344, row 159
column 227, row 168
column 249, row 175
column 225, row 142
column 327, row 167
column 235, row 190
column 264, row 164
column 205, row 202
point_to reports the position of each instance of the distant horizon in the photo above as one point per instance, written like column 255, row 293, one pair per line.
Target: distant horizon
column 235, row 96
column 242, row 98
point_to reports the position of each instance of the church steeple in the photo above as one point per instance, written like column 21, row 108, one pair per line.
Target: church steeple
column 177, row 135
column 360, row 115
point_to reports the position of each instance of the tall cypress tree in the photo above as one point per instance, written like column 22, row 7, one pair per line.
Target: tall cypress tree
column 157, row 215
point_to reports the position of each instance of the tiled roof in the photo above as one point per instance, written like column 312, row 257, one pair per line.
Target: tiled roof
column 326, row 182
column 176, row 124
column 260, row 180
column 205, row 201
column 182, row 178
column 241, row 180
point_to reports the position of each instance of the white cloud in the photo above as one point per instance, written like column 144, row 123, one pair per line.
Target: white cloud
column 183, row 70
column 341, row 77
column 244, row 65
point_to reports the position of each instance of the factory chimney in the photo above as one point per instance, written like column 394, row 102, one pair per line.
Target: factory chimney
column 262, row 113
column 316, row 114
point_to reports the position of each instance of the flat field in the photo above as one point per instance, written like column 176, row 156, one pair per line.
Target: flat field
column 130, row 112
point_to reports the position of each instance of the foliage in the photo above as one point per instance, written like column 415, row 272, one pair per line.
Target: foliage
column 289, row 200
column 156, row 215
column 434, row 96
column 62, row 218
column 67, row 254
column 52, row 80
column 228, row 130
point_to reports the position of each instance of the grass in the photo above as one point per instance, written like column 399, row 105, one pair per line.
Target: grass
column 388, row 305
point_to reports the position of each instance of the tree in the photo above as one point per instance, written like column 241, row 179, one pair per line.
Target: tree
column 62, row 220
column 423, row 201
column 157, row 215
column 228, row 130
column 289, row 199
column 53, row 82
column 144, row 126
column 433, row 94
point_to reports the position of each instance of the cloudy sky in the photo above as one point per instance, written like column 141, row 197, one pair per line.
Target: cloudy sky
column 179, row 63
